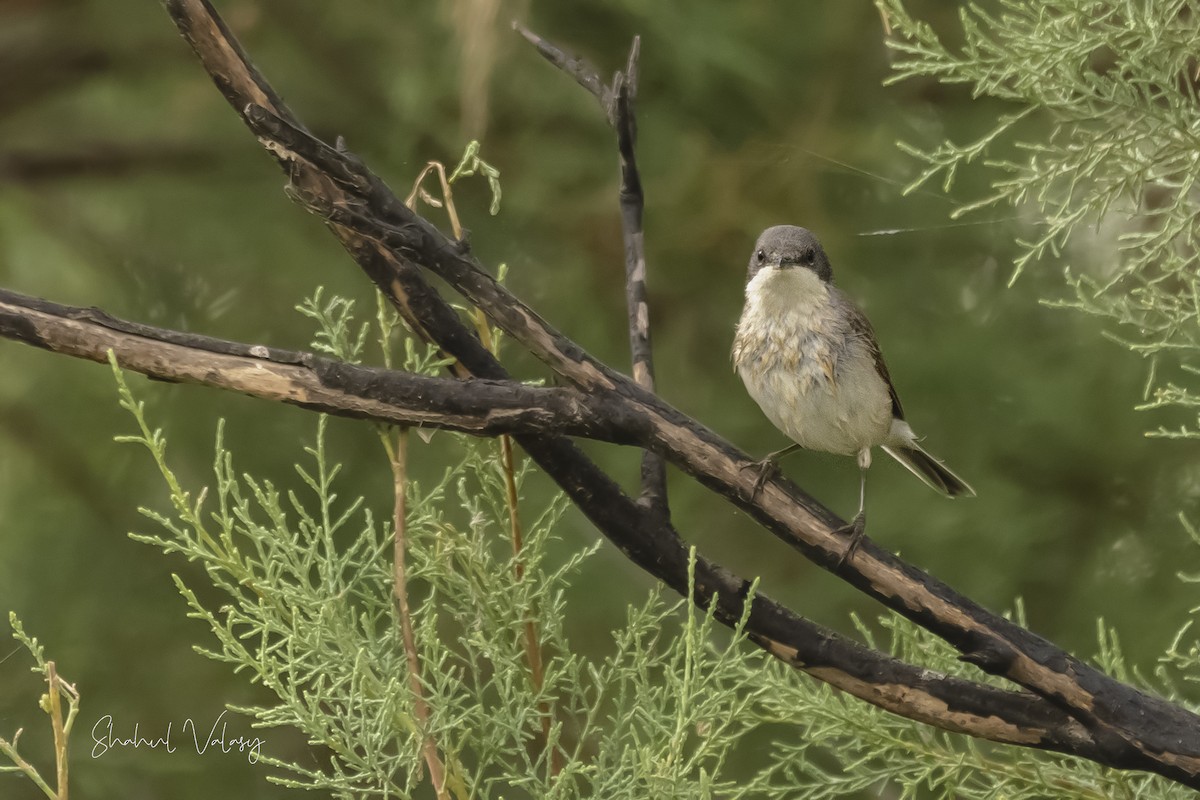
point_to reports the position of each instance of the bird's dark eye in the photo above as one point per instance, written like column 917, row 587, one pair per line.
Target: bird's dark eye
column 761, row 255
column 808, row 257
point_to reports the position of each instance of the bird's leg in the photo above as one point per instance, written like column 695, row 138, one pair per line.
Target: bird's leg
column 858, row 526
column 768, row 466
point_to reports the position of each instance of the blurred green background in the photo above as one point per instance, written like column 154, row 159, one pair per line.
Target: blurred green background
column 127, row 183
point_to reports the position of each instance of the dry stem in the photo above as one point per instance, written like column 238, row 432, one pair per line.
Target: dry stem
column 398, row 458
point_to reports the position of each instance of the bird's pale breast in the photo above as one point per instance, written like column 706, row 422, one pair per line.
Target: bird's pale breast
column 811, row 374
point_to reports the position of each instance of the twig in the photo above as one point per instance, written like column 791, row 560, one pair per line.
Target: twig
column 104, row 160
column 60, row 726
column 447, row 195
column 576, row 66
column 533, row 645
column 397, row 452
column 654, row 468
column 617, row 104
column 52, row 705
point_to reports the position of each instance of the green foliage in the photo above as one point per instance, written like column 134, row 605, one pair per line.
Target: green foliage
column 471, row 164
column 309, row 616
column 1102, row 146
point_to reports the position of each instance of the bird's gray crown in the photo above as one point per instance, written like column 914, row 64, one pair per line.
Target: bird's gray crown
column 788, row 246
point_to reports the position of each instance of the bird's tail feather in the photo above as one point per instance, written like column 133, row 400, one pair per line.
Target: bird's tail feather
column 934, row 473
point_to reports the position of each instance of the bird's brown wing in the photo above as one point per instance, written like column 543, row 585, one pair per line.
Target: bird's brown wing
column 861, row 329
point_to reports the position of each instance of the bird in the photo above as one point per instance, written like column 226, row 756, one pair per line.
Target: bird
column 808, row 356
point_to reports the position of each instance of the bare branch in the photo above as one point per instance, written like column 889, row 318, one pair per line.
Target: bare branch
column 617, row 104
column 478, row 407
column 654, row 468
column 575, row 66
column 397, row 450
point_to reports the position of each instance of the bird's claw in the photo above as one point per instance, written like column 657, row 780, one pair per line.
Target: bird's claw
column 856, row 530
column 767, row 469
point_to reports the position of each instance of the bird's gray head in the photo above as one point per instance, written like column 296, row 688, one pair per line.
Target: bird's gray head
column 787, row 247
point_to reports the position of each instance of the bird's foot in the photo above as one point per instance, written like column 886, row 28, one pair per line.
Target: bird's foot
column 767, row 468
column 856, row 530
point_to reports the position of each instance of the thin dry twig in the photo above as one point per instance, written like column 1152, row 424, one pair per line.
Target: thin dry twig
column 533, row 645
column 397, row 451
column 617, row 105
column 61, row 727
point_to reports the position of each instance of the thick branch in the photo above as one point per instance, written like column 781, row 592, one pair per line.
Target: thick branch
column 477, row 407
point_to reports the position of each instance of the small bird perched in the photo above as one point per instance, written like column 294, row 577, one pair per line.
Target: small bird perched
column 809, row 359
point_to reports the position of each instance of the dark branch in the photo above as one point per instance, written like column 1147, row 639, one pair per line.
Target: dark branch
column 617, row 104
column 232, row 71
column 654, row 468
column 104, row 160
column 575, row 66
column 477, row 407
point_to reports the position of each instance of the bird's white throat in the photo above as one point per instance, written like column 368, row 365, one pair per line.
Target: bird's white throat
column 778, row 292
